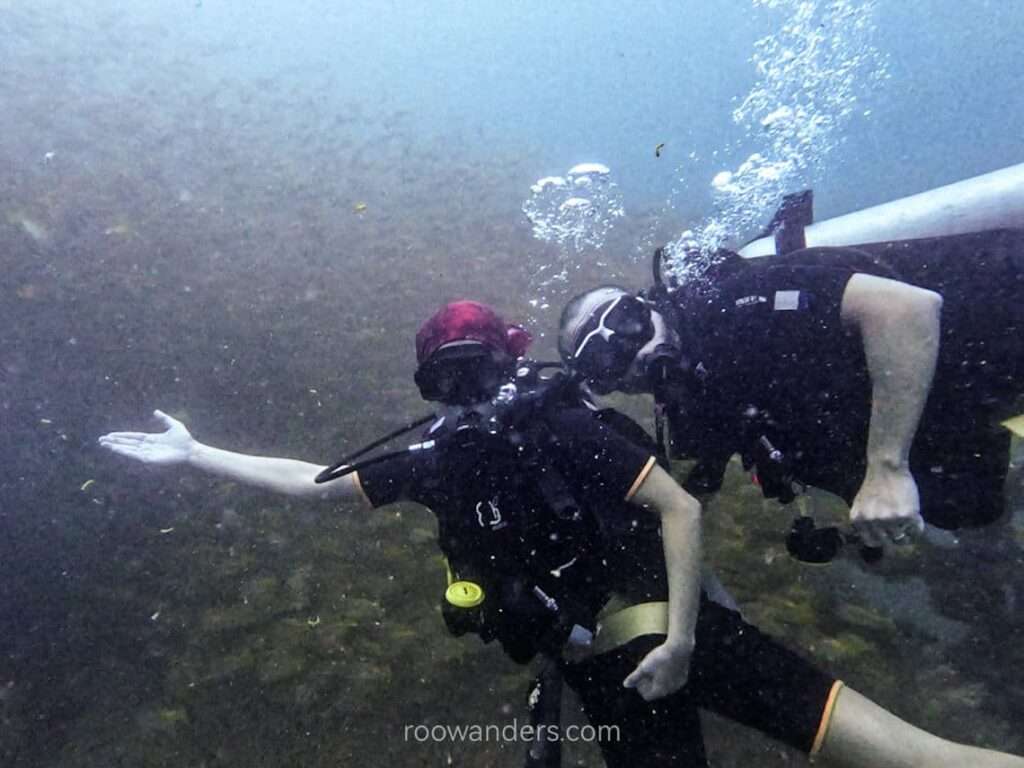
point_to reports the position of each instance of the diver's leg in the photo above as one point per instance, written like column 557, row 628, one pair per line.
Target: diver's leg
column 862, row 734
column 665, row 733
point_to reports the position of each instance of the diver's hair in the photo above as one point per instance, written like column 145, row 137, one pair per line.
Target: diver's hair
column 578, row 311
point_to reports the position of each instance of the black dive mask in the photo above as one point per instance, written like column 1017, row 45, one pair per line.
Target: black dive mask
column 463, row 374
column 608, row 343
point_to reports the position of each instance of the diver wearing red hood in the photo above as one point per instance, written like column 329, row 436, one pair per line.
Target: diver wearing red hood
column 552, row 579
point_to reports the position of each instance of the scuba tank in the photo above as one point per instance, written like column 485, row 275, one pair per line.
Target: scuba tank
column 991, row 201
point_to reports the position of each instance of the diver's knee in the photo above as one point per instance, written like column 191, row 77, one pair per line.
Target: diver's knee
column 858, row 732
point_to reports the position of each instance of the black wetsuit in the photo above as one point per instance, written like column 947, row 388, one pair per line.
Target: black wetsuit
column 492, row 506
column 771, row 358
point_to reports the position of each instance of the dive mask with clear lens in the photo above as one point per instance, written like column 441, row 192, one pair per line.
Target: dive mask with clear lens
column 463, row 374
column 608, row 343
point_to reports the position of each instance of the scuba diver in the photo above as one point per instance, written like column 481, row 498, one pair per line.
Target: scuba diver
column 881, row 373
column 566, row 539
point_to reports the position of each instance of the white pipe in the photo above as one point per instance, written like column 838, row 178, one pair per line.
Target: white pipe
column 990, row 201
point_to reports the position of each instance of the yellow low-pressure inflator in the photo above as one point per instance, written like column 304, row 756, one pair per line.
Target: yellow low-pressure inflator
column 461, row 606
column 464, row 594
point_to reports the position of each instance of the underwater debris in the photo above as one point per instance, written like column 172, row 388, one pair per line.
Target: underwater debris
column 359, row 207
column 33, row 229
column 314, row 622
column 657, row 149
column 174, row 716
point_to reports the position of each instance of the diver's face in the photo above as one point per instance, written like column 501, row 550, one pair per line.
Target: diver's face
column 608, row 342
column 463, row 379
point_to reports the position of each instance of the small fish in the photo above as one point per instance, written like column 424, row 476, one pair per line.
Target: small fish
column 657, row 149
column 166, row 530
column 313, row 622
column 86, row 484
column 359, row 207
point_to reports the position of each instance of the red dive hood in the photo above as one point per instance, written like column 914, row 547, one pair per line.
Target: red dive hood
column 469, row 321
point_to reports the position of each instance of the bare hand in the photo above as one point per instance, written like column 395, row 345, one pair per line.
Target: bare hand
column 887, row 508
column 662, row 671
column 171, row 447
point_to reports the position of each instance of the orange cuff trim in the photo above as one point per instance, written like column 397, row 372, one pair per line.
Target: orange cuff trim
column 826, row 717
column 641, row 477
column 359, row 489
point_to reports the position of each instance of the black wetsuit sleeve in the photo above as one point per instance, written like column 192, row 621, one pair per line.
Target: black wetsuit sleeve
column 399, row 479
column 604, row 466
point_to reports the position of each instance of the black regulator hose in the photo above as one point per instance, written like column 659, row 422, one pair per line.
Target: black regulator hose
column 344, row 466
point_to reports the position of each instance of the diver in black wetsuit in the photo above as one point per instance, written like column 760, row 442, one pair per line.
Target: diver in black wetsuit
column 880, row 373
column 566, row 538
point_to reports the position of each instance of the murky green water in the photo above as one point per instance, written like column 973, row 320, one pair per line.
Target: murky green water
column 256, row 263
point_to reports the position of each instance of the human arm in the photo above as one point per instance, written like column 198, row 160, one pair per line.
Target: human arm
column 899, row 326
column 176, row 446
column 665, row 669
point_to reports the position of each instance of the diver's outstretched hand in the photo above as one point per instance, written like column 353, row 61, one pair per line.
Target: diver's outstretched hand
column 171, row 447
column 887, row 509
column 662, row 671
